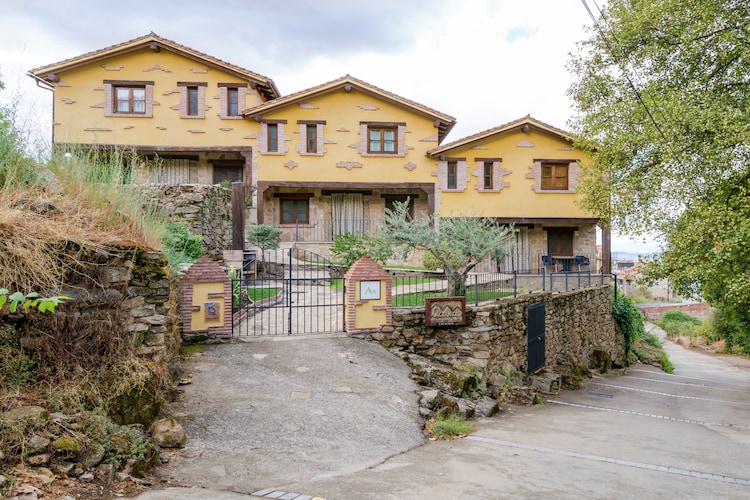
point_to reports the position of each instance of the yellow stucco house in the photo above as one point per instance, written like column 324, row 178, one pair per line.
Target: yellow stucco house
column 332, row 158
column 322, row 161
column 524, row 173
column 156, row 96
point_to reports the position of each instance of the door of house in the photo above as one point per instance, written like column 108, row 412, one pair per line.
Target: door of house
column 535, row 331
column 348, row 213
column 560, row 241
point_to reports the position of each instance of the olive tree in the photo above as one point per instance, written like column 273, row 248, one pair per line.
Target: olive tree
column 266, row 237
column 472, row 238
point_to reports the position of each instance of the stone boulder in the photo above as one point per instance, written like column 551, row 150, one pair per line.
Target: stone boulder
column 443, row 377
column 168, row 433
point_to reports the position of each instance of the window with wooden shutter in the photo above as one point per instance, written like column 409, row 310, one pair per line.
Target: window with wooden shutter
column 554, row 176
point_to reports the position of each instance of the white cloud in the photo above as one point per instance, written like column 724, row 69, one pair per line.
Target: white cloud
column 485, row 62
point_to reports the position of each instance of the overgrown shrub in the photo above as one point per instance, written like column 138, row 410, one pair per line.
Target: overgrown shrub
column 348, row 248
column 643, row 346
column 17, row 169
column 448, row 425
column 679, row 323
column 180, row 245
column 648, row 349
column 710, row 328
column 629, row 318
column 723, row 325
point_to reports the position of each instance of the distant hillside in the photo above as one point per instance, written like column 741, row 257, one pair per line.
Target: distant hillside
column 631, row 255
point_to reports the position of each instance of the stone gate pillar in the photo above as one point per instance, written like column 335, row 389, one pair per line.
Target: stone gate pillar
column 368, row 305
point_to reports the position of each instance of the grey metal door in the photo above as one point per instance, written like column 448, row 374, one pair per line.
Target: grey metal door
column 535, row 332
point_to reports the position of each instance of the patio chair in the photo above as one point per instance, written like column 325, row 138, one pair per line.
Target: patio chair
column 582, row 261
column 548, row 261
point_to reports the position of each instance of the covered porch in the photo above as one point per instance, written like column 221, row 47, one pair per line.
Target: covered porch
column 316, row 212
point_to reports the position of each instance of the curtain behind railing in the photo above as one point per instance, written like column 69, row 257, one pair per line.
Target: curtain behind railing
column 347, row 213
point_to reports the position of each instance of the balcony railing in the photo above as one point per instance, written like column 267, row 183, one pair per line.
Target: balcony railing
column 323, row 231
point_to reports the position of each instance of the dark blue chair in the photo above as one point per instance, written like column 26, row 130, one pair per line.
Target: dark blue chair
column 582, row 261
column 548, row 261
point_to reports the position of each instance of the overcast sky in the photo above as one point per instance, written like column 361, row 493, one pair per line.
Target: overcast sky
column 485, row 62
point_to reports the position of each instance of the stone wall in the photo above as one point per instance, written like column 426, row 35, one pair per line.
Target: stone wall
column 131, row 286
column 580, row 333
column 206, row 209
column 120, row 312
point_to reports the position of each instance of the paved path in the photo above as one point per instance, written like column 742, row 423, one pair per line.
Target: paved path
column 643, row 434
column 271, row 409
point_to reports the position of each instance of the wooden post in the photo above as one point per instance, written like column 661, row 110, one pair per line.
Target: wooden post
column 238, row 216
column 606, row 250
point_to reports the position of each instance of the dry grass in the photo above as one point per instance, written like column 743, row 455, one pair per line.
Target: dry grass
column 36, row 233
column 85, row 204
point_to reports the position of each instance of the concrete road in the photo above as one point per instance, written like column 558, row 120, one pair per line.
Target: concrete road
column 642, row 434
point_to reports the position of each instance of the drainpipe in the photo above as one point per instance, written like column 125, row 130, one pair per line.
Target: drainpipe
column 44, row 84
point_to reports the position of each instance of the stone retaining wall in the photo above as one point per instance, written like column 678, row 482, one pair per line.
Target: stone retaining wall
column 131, row 285
column 206, row 209
column 580, row 333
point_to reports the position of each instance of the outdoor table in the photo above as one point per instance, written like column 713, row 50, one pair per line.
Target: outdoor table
column 566, row 262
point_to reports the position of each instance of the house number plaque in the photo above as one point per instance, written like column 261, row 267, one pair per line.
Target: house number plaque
column 369, row 290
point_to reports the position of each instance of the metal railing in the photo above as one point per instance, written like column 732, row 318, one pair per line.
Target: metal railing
column 323, row 231
column 410, row 288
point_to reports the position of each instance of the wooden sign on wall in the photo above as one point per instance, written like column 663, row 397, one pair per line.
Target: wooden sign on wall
column 445, row 311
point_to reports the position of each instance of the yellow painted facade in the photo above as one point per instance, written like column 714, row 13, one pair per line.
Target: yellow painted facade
column 343, row 113
column 370, row 313
column 299, row 188
column 517, row 197
column 209, row 301
column 80, row 99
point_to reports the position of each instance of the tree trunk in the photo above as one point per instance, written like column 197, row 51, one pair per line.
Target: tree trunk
column 456, row 284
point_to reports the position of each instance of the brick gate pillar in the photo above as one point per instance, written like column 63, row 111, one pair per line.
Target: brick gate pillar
column 206, row 299
column 368, row 305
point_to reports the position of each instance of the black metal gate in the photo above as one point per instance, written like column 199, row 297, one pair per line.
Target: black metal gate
column 536, row 337
column 283, row 292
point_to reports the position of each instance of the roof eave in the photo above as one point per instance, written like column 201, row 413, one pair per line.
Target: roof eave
column 340, row 84
column 511, row 127
column 156, row 43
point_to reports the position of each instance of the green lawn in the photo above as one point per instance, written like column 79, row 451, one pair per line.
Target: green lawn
column 418, row 299
column 256, row 294
column 338, row 283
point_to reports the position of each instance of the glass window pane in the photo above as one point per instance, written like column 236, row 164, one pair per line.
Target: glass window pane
column 389, row 135
column 390, row 146
column 301, row 210
column 139, row 94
